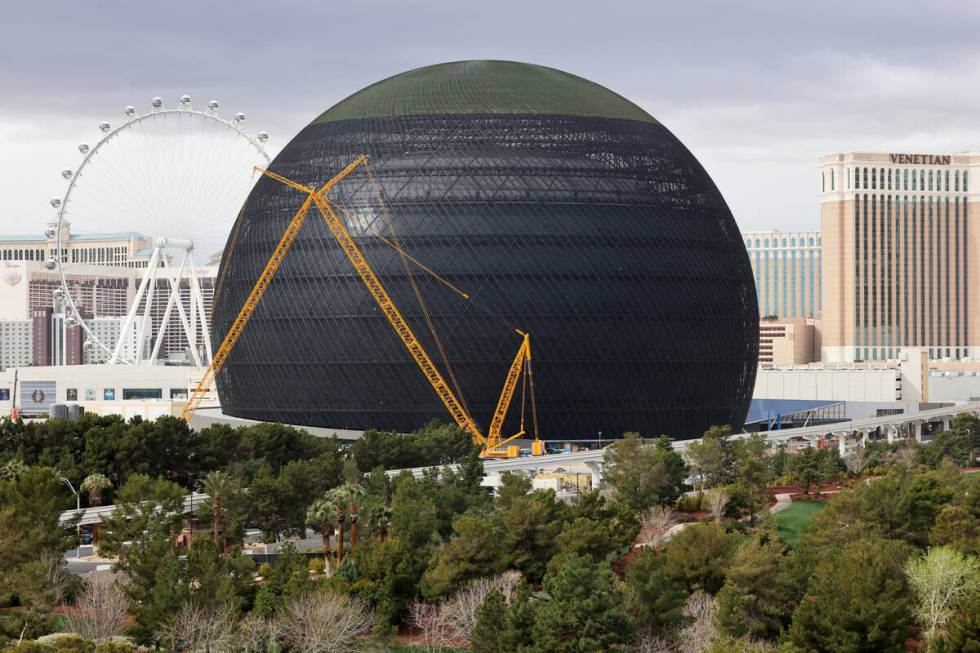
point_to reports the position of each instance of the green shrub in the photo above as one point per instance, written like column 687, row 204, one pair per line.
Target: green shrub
column 70, row 644
column 267, row 602
column 29, row 647
column 346, row 570
column 317, row 565
column 690, row 502
column 264, row 569
column 73, row 644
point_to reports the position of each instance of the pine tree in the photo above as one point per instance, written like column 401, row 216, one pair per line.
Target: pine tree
column 473, row 551
column 857, row 600
column 655, row 600
column 490, row 616
column 699, row 556
column 758, row 596
column 585, row 610
column 642, row 474
column 517, row 634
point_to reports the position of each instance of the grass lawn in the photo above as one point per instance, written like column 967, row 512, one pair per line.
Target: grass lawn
column 795, row 520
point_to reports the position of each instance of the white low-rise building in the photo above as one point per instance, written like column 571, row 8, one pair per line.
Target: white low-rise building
column 128, row 390
column 911, row 378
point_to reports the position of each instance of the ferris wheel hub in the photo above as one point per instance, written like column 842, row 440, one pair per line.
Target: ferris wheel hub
column 179, row 243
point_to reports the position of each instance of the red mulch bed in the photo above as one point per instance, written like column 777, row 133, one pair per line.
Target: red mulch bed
column 813, row 496
column 694, row 515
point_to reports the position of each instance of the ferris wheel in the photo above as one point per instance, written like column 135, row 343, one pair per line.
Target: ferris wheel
column 172, row 180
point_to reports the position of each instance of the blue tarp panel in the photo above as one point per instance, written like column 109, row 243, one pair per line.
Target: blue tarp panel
column 762, row 409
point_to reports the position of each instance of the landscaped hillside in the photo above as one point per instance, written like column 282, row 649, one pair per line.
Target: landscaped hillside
column 884, row 560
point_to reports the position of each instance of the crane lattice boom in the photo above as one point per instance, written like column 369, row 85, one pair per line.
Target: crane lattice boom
column 265, row 278
column 398, row 323
column 492, row 443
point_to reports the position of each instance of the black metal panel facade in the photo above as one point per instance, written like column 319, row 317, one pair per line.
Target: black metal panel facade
column 604, row 238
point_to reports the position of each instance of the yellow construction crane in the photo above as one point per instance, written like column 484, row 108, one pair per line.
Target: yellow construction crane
column 493, row 444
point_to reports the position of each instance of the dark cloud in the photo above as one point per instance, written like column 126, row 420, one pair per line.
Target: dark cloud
column 757, row 90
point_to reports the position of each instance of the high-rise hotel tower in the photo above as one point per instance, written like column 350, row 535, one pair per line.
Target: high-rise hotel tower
column 897, row 244
column 786, row 268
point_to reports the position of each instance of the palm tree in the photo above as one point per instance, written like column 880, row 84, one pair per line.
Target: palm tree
column 320, row 514
column 343, row 498
column 11, row 469
column 379, row 516
column 354, row 518
column 217, row 485
column 95, row 484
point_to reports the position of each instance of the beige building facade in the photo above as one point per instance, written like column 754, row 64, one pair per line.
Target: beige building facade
column 897, row 250
column 122, row 249
column 786, row 342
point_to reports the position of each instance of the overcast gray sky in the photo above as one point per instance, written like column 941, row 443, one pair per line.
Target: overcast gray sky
column 757, row 90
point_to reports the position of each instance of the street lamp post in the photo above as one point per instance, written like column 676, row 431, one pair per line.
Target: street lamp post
column 78, row 508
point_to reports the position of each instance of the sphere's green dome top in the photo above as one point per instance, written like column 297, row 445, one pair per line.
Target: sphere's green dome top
column 475, row 87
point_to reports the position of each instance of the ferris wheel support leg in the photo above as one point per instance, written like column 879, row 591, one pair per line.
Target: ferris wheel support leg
column 173, row 298
column 188, row 328
column 196, row 292
column 131, row 315
column 159, row 339
column 144, row 332
column 192, row 287
column 192, row 306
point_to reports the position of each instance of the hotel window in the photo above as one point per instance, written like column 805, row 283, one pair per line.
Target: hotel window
column 757, row 242
column 831, row 179
column 946, row 181
column 945, row 225
column 913, row 180
column 964, row 181
column 956, row 178
column 848, row 177
column 811, row 242
column 793, row 293
column 889, row 179
column 874, row 175
column 767, row 242
column 810, row 278
column 784, row 242
column 765, row 278
column 922, row 179
column 966, row 264
column 930, row 180
column 905, row 179
column 792, row 242
column 785, row 282
column 865, row 177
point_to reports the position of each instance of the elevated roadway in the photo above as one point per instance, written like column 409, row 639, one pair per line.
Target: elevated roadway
column 94, row 516
column 889, row 425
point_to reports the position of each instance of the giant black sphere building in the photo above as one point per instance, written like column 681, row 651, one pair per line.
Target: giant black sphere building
column 562, row 208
